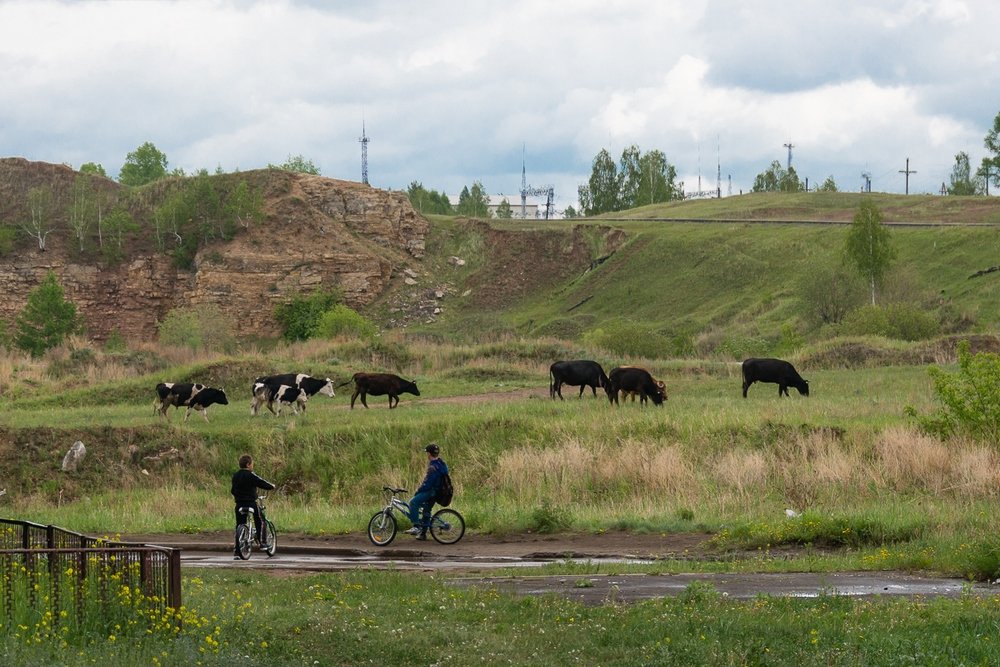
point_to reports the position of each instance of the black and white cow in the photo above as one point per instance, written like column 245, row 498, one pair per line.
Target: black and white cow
column 264, row 387
column 193, row 396
column 290, row 396
column 777, row 371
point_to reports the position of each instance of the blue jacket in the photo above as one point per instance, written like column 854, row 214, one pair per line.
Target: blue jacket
column 436, row 470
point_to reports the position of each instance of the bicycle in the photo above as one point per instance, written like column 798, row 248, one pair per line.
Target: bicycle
column 247, row 532
column 447, row 525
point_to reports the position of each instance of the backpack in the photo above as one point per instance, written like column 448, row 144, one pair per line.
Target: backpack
column 445, row 491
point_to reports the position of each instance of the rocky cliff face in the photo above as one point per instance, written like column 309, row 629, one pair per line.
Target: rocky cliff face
column 316, row 233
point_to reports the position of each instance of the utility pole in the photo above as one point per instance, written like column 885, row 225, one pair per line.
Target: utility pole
column 907, row 171
column 789, row 146
column 867, row 185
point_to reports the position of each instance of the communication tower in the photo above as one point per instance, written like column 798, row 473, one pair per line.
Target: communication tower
column 363, row 140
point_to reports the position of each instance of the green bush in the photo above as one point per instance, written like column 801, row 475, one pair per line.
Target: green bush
column 628, row 338
column 343, row 321
column 300, row 317
column 897, row 320
column 970, row 398
column 203, row 327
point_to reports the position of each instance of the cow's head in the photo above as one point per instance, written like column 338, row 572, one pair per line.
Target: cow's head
column 803, row 387
column 662, row 387
column 327, row 389
column 410, row 387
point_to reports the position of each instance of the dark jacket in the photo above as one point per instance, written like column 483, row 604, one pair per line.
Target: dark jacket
column 436, row 470
column 245, row 485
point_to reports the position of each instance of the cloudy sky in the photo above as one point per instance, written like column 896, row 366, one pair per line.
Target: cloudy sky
column 453, row 92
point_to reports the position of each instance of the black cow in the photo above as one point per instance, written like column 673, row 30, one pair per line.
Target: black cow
column 777, row 371
column 263, row 388
column 580, row 373
column 192, row 396
column 380, row 384
column 638, row 380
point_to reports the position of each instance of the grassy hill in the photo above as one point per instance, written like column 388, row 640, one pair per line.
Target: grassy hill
column 730, row 281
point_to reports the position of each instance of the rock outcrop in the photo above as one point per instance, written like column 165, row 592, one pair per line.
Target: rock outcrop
column 317, row 233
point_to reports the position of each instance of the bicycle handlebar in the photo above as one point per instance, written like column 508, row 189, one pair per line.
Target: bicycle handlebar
column 389, row 488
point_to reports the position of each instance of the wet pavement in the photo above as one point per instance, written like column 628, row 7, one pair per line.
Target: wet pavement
column 595, row 589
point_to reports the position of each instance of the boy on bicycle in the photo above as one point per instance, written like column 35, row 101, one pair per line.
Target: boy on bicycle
column 244, row 490
column 423, row 499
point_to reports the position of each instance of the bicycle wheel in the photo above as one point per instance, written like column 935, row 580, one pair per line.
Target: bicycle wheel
column 243, row 542
column 382, row 529
column 447, row 526
column 269, row 538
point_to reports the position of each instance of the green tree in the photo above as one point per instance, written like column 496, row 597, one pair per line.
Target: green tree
column 657, row 180
column 570, row 213
column 829, row 185
column 297, row 163
column 963, row 181
column 474, row 202
column 94, row 169
column 778, row 179
column 428, row 201
column 47, row 318
column 82, row 207
column 117, row 224
column 504, row 211
column 300, row 317
column 868, row 245
column 602, row 192
column 143, row 165
column 990, row 167
column 629, row 177
column 245, row 205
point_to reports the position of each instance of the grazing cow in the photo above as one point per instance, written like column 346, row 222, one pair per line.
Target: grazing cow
column 308, row 384
column 380, row 384
column 638, row 380
column 642, row 397
column 777, row 371
column 192, row 396
column 580, row 373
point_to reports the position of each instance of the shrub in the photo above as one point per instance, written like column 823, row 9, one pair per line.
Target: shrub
column 898, row 320
column 203, row 327
column 343, row 321
column 628, row 338
column 970, row 398
column 300, row 317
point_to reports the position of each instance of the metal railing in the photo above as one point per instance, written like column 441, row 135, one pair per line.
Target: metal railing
column 53, row 567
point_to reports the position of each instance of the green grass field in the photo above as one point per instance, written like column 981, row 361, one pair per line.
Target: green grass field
column 875, row 492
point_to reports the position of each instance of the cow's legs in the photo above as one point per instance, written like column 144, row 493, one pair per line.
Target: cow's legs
column 782, row 389
column 354, row 396
column 204, row 413
column 746, row 385
column 364, row 399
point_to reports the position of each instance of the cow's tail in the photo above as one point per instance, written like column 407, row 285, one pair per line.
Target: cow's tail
column 552, row 384
column 344, row 384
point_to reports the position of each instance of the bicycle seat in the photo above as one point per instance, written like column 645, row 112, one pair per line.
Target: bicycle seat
column 389, row 488
column 246, row 510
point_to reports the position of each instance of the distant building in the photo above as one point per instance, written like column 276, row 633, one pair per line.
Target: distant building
column 531, row 208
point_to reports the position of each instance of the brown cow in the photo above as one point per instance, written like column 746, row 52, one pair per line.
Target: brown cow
column 380, row 384
column 637, row 380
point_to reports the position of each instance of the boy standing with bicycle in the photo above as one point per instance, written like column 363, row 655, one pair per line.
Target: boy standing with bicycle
column 244, row 490
column 423, row 500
